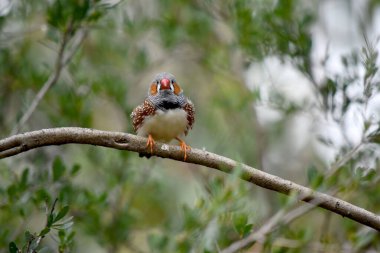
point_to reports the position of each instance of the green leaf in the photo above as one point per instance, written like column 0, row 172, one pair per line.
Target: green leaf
column 57, row 14
column 12, row 191
column 29, row 236
column 13, row 248
column 374, row 137
column 329, row 89
column 75, row 169
column 80, row 9
column 62, row 213
column 247, row 229
column 157, row 241
column 61, row 234
column 24, row 179
column 58, row 168
column 315, row 177
column 50, row 220
column 42, row 195
column 240, row 221
column 312, row 172
column 44, row 231
column 70, row 237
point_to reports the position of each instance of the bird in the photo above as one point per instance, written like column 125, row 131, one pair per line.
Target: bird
column 165, row 114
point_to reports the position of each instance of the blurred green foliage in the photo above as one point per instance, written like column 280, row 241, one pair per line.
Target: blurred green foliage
column 114, row 201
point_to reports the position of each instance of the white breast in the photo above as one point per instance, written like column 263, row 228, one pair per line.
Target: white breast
column 164, row 125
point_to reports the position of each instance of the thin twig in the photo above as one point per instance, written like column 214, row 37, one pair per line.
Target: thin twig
column 81, row 35
column 62, row 60
column 57, row 136
column 282, row 217
column 259, row 235
column 344, row 159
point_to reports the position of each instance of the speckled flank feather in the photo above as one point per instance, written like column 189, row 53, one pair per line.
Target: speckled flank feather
column 190, row 111
column 141, row 112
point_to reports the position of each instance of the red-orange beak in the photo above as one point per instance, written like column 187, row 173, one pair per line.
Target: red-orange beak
column 165, row 84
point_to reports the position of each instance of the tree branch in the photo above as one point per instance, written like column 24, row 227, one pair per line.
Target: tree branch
column 57, row 136
column 63, row 59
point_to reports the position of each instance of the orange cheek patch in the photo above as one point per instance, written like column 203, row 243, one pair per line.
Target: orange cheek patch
column 153, row 89
column 177, row 89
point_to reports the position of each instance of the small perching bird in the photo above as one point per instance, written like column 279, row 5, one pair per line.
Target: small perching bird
column 166, row 113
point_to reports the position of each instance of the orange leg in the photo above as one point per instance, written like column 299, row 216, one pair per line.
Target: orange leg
column 150, row 143
column 184, row 147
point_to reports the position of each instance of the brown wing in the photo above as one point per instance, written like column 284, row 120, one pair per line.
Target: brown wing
column 190, row 110
column 141, row 112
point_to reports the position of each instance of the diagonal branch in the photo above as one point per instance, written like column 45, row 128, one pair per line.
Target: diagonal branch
column 259, row 235
column 63, row 58
column 57, row 136
column 282, row 217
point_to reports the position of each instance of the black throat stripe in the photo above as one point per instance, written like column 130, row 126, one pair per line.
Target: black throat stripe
column 168, row 105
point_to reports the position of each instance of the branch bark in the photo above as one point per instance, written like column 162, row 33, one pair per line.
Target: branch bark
column 20, row 143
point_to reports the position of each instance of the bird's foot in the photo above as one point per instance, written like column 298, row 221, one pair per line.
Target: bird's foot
column 184, row 148
column 150, row 143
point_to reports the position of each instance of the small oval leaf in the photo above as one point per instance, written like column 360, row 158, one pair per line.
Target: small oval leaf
column 13, row 248
column 62, row 213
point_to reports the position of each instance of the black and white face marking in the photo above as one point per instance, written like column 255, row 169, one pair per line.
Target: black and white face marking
column 164, row 85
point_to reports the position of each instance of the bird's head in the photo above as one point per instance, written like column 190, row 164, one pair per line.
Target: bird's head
column 165, row 93
column 164, row 84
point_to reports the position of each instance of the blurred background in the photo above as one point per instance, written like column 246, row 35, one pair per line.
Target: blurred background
column 290, row 87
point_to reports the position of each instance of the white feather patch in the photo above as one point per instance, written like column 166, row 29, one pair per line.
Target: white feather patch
column 164, row 125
